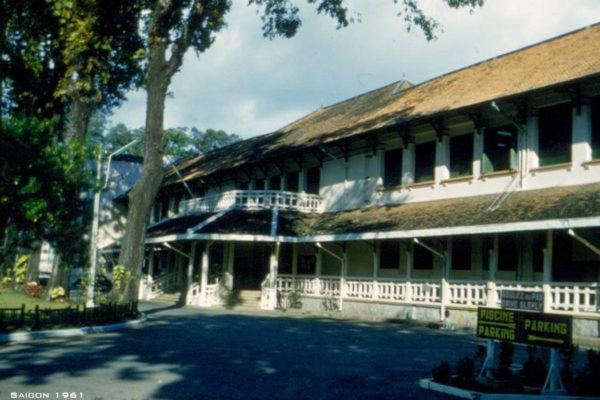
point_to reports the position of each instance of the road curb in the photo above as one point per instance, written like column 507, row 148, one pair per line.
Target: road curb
column 65, row 333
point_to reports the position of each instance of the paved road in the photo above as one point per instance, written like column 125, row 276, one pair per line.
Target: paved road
column 183, row 353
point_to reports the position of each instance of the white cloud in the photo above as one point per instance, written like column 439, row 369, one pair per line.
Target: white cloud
column 250, row 85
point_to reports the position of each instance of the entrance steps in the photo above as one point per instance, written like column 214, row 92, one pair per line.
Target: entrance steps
column 172, row 297
column 242, row 300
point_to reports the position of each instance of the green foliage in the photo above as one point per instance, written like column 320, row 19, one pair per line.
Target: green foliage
column 40, row 186
column 20, row 269
column 181, row 141
column 57, row 294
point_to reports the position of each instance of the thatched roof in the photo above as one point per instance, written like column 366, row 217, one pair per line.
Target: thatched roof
column 562, row 60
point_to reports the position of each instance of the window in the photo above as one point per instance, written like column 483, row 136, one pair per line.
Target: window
column 424, row 161
column 275, row 183
column 389, row 254
column 284, row 264
column 422, row 258
column 392, row 168
column 292, row 181
column 554, row 134
column 508, row 252
column 595, row 128
column 461, row 253
column 461, row 155
column 313, row 180
column 499, row 149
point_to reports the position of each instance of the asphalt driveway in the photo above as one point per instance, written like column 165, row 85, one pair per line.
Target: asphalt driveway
column 183, row 353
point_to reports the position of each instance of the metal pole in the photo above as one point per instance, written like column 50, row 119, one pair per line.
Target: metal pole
column 94, row 239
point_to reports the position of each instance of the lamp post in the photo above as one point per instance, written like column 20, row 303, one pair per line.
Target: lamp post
column 96, row 216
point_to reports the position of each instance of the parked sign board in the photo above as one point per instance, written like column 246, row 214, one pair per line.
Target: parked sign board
column 550, row 330
column 522, row 300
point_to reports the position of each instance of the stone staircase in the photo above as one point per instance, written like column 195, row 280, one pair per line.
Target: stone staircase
column 243, row 300
column 171, row 297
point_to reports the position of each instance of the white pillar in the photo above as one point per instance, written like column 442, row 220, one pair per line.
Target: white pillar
column 344, row 271
column 442, row 159
column 204, row 276
column 445, row 289
column 190, row 266
column 410, row 251
column 319, row 271
column 581, row 150
column 492, row 296
column 273, row 267
column 547, row 276
column 375, row 270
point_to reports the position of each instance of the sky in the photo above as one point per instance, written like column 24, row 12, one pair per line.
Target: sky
column 249, row 85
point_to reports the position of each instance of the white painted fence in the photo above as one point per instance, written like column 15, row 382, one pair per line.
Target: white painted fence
column 252, row 200
column 565, row 297
column 150, row 288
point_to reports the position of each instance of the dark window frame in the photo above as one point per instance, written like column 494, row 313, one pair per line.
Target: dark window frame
column 500, row 149
column 462, row 248
column 555, row 134
column 392, row 167
column 425, row 161
column 461, row 155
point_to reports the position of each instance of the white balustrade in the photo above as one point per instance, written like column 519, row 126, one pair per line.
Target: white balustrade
column 252, row 200
column 468, row 293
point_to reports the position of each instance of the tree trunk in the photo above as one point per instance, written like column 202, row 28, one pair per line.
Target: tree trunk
column 80, row 112
column 142, row 196
column 33, row 264
column 59, row 277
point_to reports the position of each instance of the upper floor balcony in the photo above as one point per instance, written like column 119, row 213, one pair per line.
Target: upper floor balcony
column 253, row 200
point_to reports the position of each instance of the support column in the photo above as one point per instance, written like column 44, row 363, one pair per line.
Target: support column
column 410, row 262
column 319, row 271
column 190, row 273
column 344, row 271
column 271, row 301
column 445, row 289
column 147, row 293
column 492, row 295
column 547, row 276
column 294, row 263
column 230, row 260
column 375, row 270
column 204, row 301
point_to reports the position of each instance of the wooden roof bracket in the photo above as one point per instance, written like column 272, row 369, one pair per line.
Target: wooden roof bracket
column 440, row 128
column 479, row 122
column 577, row 98
column 404, row 133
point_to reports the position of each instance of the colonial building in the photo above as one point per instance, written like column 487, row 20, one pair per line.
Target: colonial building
column 410, row 201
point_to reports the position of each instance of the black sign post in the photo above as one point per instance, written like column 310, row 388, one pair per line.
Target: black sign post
column 550, row 330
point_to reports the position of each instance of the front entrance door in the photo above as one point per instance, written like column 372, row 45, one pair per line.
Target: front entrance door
column 250, row 266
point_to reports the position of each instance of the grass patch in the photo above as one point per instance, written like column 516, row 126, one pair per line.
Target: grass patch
column 11, row 299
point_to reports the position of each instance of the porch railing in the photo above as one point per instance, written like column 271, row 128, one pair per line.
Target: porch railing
column 150, row 288
column 565, row 297
column 252, row 200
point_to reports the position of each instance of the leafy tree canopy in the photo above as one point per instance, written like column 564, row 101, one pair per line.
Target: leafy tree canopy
column 181, row 141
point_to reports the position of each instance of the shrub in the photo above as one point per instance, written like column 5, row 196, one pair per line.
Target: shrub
column 33, row 289
column 442, row 372
column 5, row 282
column 534, row 369
column 465, row 371
column 507, row 350
column 587, row 379
column 57, row 294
